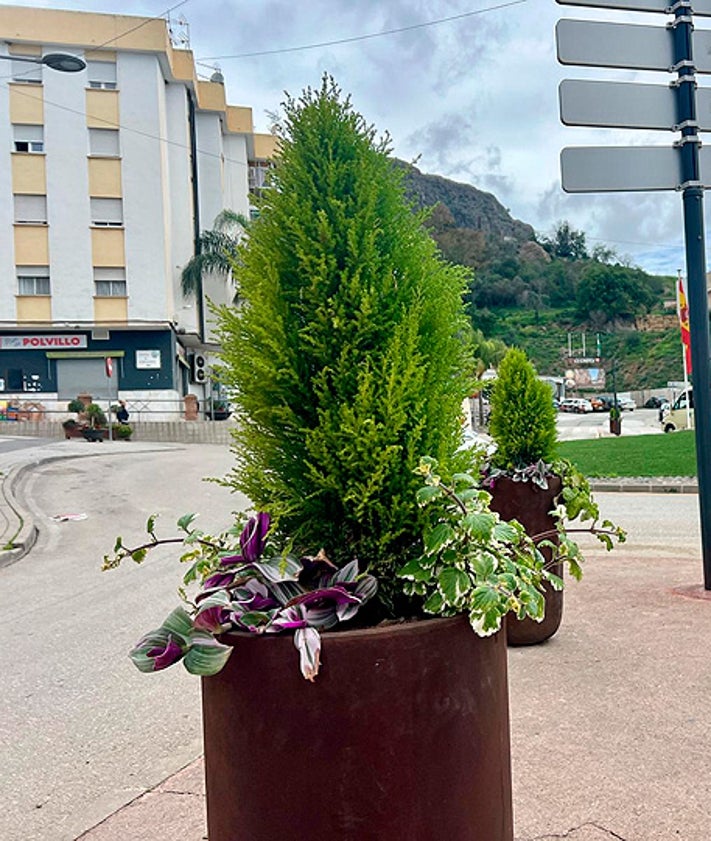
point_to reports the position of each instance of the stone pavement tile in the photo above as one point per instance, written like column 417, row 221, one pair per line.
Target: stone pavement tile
column 174, row 809
column 586, row 832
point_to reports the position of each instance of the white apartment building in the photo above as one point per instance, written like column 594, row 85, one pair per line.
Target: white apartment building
column 108, row 176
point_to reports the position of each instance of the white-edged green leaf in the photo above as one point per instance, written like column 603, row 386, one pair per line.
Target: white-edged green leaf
column 427, row 493
column 505, row 532
column 484, row 598
column 454, row 584
column 434, row 604
column 438, row 537
column 479, row 524
column 416, row 570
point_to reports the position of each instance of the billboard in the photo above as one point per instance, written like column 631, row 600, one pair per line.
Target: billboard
column 584, row 373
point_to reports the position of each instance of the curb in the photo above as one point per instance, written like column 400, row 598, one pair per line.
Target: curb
column 660, row 487
column 20, row 531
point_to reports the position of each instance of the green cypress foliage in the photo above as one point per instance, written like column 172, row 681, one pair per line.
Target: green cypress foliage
column 348, row 358
column 523, row 418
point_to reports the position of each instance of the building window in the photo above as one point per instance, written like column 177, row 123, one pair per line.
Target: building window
column 33, row 280
column 258, row 172
column 101, row 74
column 104, row 142
column 26, row 71
column 107, row 213
column 28, row 138
column 30, row 210
column 110, row 283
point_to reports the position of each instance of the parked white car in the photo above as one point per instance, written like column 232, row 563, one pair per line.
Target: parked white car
column 626, row 404
column 576, row 404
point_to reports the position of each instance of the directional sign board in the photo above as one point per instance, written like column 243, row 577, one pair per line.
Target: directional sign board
column 610, row 169
column 699, row 7
column 626, row 105
column 599, row 44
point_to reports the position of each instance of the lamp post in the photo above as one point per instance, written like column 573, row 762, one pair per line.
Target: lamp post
column 63, row 62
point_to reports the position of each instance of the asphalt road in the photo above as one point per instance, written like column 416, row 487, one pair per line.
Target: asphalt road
column 590, row 425
column 81, row 730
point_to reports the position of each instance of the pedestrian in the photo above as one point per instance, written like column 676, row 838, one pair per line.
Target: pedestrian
column 122, row 412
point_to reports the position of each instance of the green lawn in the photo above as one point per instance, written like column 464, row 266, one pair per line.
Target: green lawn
column 637, row 455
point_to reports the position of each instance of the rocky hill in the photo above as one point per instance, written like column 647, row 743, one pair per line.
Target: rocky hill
column 470, row 208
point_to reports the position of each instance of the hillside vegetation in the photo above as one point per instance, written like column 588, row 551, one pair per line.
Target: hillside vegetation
column 537, row 293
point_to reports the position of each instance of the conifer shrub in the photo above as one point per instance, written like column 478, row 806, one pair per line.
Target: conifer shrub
column 523, row 419
column 349, row 355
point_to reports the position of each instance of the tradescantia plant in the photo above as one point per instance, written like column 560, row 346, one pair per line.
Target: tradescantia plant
column 248, row 586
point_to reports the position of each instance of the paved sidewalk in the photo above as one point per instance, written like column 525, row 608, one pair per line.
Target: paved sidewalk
column 608, row 719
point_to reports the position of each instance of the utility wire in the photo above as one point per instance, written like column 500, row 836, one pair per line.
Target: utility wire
column 140, row 132
column 356, row 38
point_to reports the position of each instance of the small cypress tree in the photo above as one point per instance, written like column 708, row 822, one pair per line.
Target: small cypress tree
column 523, row 418
column 349, row 354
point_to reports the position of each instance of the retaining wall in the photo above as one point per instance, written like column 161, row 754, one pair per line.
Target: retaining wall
column 184, row 432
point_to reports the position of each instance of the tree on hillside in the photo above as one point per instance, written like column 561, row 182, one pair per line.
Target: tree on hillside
column 613, row 293
column 217, row 251
column 350, row 355
column 567, row 243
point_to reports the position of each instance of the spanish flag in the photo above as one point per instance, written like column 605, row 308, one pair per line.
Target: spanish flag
column 683, row 310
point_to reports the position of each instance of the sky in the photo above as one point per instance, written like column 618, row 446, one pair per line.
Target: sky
column 473, row 97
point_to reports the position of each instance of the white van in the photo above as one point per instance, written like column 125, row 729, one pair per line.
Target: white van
column 675, row 417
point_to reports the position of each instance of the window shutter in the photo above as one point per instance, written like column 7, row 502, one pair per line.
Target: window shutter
column 106, row 212
column 31, row 209
column 104, row 142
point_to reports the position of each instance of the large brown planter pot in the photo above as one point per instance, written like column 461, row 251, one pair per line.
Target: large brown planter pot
column 530, row 505
column 403, row 735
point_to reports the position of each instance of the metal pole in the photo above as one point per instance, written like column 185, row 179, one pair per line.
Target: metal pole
column 693, row 203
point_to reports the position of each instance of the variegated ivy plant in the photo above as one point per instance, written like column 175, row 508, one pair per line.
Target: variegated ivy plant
column 247, row 584
column 474, row 562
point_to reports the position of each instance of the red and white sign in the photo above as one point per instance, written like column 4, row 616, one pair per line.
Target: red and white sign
column 71, row 341
column 109, row 367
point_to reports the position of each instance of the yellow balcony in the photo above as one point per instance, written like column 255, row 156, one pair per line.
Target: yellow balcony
column 31, row 245
column 33, row 308
column 105, row 178
column 26, row 104
column 29, row 173
column 102, row 108
column 110, row 310
column 107, row 247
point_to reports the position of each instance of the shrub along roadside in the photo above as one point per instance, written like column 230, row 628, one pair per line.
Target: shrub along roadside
column 634, row 455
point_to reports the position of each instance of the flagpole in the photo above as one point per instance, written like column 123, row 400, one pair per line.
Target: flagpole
column 684, row 352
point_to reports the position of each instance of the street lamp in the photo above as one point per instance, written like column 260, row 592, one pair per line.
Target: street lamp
column 63, row 62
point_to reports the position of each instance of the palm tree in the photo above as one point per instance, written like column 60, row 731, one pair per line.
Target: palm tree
column 216, row 252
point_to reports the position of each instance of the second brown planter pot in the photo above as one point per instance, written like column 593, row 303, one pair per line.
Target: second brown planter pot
column 531, row 506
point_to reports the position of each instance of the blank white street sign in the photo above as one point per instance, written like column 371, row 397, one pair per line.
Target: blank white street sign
column 599, row 44
column 605, row 169
column 617, row 105
column 700, row 7
column 611, row 169
column 626, row 105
